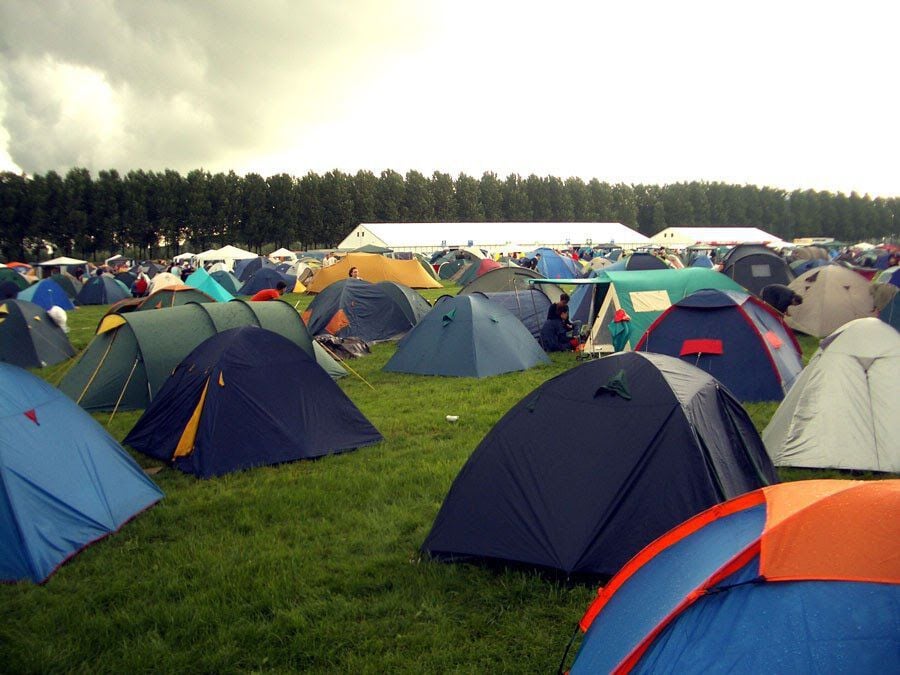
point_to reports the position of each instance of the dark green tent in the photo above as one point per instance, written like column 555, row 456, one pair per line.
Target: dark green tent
column 29, row 338
column 132, row 354
column 69, row 284
column 7, row 274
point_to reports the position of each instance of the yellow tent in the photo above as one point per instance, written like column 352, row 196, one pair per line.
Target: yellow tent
column 373, row 267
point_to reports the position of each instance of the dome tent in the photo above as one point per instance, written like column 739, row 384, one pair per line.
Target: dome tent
column 64, row 481
column 538, row 491
column 467, row 336
column 512, row 278
column 29, row 338
column 102, row 290
column 733, row 336
column 248, row 397
column 370, row 312
column 755, row 266
column 373, row 267
column 842, row 411
column 203, row 281
column 832, row 296
column 132, row 354
column 46, row 293
column 800, row 577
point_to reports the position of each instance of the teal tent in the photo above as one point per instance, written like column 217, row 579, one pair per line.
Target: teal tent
column 202, row 281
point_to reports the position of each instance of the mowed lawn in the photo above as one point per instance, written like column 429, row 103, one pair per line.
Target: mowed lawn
column 313, row 565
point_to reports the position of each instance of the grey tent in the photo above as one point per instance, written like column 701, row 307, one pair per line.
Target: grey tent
column 832, row 296
column 512, row 278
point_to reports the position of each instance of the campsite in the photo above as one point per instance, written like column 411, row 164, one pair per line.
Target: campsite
column 314, row 565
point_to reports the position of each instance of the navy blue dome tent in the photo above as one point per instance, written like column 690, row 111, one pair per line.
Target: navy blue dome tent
column 29, row 337
column 64, row 481
column 248, row 397
column 267, row 277
column 596, row 463
column 102, row 290
column 733, row 336
column 361, row 309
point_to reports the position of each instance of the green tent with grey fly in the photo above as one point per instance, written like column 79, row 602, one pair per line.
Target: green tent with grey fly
column 132, row 354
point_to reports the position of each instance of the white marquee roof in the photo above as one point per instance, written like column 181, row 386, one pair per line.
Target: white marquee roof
column 723, row 236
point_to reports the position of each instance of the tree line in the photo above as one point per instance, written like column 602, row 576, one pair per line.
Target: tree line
column 154, row 214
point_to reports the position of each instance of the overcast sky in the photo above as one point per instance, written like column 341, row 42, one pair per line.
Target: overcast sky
column 779, row 93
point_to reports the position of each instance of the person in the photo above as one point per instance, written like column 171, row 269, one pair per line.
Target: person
column 554, row 309
column 554, row 337
column 140, row 286
column 780, row 297
column 354, row 273
column 270, row 293
column 329, row 259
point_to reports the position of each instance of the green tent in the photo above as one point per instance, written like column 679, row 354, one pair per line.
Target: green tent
column 7, row 274
column 642, row 295
column 132, row 354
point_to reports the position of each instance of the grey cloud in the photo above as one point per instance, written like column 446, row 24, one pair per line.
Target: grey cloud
column 195, row 82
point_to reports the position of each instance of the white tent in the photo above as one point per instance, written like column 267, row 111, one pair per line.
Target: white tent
column 283, row 255
column 227, row 254
column 61, row 262
column 842, row 411
column 184, row 256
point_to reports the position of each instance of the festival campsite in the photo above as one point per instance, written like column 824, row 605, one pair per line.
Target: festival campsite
column 250, row 505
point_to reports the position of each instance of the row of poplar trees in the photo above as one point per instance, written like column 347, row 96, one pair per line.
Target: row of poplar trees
column 157, row 214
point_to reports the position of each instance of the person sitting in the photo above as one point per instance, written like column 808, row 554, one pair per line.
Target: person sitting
column 270, row 293
column 554, row 332
column 140, row 286
column 780, row 297
column 563, row 302
column 354, row 273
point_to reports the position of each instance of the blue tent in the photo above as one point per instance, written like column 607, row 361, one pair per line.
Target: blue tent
column 64, row 482
column 202, row 281
column 702, row 260
column 248, row 397
column 268, row 277
column 596, row 463
column 102, row 290
column 467, row 336
column 244, row 269
column 361, row 309
column 891, row 312
column 798, row 267
column 47, row 293
column 733, row 336
column 555, row 266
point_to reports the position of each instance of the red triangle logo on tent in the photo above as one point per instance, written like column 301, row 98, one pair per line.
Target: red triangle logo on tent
column 32, row 415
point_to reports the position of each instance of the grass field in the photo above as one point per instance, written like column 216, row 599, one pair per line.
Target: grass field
column 309, row 566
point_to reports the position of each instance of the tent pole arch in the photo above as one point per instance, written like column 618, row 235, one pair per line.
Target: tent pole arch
column 97, row 369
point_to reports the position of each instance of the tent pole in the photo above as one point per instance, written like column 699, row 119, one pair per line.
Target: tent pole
column 343, row 363
column 97, row 369
column 122, row 393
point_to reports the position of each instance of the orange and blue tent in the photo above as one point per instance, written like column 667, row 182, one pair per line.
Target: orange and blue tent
column 792, row 578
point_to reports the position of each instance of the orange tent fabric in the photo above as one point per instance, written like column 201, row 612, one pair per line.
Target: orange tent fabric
column 373, row 267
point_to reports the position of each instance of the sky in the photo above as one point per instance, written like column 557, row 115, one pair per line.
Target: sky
column 787, row 94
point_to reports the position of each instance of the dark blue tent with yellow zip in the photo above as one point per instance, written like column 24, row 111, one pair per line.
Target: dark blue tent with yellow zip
column 248, row 397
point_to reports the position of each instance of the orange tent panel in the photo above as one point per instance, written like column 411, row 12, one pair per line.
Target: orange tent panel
column 373, row 267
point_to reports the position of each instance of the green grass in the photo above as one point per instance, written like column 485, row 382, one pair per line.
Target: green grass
column 309, row 566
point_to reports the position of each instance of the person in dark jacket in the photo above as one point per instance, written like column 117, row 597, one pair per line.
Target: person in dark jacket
column 554, row 332
column 553, row 309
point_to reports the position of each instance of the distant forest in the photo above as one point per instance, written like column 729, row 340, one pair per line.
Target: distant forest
column 147, row 214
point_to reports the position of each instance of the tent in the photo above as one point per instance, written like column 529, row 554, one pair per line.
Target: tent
column 132, row 354
column 466, row 336
column 127, row 278
column 702, row 261
column 453, row 268
column 29, row 338
column 596, row 463
column 476, row 270
column 639, row 296
column 102, row 290
column 68, row 283
column 203, row 281
column 244, row 269
column 266, row 278
column 64, row 481
column 227, row 254
column 889, row 276
column 248, row 397
column 61, row 262
column 282, row 254
column 832, row 296
column 733, row 336
column 47, row 293
column 164, row 280
column 890, row 313
column 370, row 312
column 512, row 278
column 530, row 307
column 798, row 267
column 170, row 296
column 373, row 268
column 227, row 280
column 8, row 274
column 755, row 266
column 842, row 411
column 799, row 577
column 555, row 266
column 638, row 261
